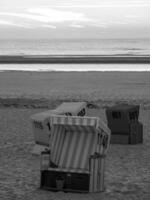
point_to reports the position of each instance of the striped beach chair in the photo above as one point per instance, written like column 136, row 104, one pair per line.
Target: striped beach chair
column 78, row 149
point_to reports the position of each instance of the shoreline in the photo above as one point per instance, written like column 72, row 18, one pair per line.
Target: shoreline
column 73, row 59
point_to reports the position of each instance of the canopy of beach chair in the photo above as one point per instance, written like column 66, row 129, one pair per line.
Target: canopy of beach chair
column 75, row 139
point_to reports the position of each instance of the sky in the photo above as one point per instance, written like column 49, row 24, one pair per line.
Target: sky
column 74, row 19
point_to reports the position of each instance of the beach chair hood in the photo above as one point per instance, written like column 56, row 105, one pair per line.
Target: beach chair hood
column 75, row 139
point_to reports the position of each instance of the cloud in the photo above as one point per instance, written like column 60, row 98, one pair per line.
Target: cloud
column 26, row 16
column 9, row 23
column 48, row 26
column 100, row 25
column 48, row 15
column 76, row 26
column 54, row 15
column 107, row 16
column 45, row 18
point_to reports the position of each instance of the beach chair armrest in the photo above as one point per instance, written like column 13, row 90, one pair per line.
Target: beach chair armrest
column 104, row 142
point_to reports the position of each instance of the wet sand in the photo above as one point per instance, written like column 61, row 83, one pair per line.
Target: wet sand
column 74, row 59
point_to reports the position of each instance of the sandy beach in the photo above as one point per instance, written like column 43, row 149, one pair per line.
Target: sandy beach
column 52, row 87
column 25, row 93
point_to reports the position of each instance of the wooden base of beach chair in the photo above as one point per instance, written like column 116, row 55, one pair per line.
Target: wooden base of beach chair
column 119, row 139
column 65, row 181
column 75, row 180
column 97, row 169
column 135, row 136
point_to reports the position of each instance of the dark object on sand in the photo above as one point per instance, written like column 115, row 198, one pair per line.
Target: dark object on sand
column 124, row 125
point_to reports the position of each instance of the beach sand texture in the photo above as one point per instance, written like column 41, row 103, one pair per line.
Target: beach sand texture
column 89, row 86
column 127, row 166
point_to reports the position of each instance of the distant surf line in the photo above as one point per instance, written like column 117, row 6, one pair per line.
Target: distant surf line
column 75, row 67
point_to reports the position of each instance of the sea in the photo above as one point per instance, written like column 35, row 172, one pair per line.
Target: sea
column 113, row 47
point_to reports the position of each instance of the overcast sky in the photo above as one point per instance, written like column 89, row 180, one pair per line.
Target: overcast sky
column 74, row 18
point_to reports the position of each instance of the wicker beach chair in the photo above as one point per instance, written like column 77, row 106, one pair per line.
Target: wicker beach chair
column 78, row 149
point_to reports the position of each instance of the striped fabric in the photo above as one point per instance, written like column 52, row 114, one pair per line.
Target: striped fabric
column 71, row 149
column 97, row 166
column 77, row 149
column 102, row 142
column 75, row 139
column 57, row 142
column 80, row 129
column 74, row 120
